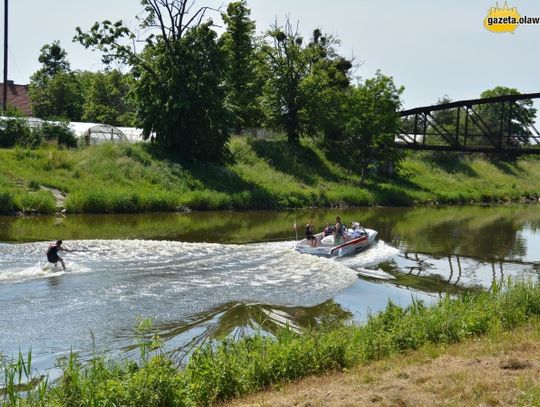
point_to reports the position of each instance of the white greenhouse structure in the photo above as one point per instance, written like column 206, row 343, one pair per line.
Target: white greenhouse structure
column 95, row 133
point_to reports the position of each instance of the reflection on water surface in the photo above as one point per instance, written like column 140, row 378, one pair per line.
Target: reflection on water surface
column 215, row 274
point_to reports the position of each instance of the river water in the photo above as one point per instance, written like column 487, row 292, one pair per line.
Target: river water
column 213, row 274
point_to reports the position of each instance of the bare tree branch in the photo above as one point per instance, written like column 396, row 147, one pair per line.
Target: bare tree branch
column 155, row 6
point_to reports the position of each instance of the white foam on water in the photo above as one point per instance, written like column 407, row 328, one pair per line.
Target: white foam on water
column 373, row 255
column 167, row 268
column 377, row 274
column 39, row 270
column 256, row 265
column 27, row 273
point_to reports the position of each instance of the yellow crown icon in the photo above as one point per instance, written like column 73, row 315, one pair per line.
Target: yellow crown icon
column 502, row 19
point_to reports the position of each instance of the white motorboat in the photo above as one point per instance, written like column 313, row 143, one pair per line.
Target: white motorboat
column 356, row 240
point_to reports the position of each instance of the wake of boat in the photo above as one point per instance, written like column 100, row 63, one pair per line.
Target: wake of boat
column 273, row 271
column 365, row 263
column 262, row 262
column 39, row 270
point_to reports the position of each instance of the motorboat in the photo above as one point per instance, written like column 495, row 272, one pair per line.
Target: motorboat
column 355, row 240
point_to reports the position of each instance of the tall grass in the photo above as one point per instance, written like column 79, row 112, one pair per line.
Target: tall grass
column 27, row 201
column 260, row 174
column 225, row 369
column 39, row 201
column 20, row 383
column 109, row 200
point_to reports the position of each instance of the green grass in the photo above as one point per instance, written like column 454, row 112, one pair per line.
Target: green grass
column 225, row 369
column 260, row 174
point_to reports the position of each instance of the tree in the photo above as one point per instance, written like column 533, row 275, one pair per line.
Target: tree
column 178, row 76
column 289, row 63
column 107, row 98
column 54, row 59
column 237, row 42
column 371, row 121
column 326, row 88
column 59, row 97
column 442, row 124
column 523, row 115
column 187, row 115
column 54, row 90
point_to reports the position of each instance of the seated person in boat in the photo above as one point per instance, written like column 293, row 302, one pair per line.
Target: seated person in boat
column 340, row 232
column 328, row 230
column 356, row 231
column 310, row 234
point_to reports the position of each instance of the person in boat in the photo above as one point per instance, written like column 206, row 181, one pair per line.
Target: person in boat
column 340, row 231
column 328, row 230
column 356, row 232
column 310, row 234
column 52, row 253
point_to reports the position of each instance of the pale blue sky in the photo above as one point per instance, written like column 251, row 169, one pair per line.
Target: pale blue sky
column 431, row 47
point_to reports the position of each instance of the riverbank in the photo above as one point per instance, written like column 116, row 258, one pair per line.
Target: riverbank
column 260, row 174
column 228, row 369
column 500, row 368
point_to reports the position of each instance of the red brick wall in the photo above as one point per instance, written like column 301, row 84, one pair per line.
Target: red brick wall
column 17, row 96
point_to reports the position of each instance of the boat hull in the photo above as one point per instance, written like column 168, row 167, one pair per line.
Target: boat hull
column 347, row 248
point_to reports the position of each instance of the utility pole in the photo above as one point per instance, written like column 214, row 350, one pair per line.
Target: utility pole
column 4, row 94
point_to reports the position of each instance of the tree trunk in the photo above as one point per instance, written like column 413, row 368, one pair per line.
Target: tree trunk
column 362, row 175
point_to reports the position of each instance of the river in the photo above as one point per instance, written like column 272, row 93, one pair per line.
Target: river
column 212, row 274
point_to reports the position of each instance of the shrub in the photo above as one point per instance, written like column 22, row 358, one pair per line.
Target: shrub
column 58, row 132
column 16, row 131
column 33, row 185
column 7, row 202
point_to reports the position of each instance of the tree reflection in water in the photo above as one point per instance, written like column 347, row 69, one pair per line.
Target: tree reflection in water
column 236, row 320
column 454, row 273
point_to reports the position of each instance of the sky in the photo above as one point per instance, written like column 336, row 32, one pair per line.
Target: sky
column 431, row 47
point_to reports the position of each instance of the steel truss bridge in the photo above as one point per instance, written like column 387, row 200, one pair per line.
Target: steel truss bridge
column 490, row 125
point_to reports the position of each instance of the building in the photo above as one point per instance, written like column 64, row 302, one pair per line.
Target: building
column 17, row 97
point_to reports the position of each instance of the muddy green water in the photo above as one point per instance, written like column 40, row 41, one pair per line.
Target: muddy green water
column 212, row 274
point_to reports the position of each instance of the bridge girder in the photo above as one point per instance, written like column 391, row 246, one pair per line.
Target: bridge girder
column 465, row 129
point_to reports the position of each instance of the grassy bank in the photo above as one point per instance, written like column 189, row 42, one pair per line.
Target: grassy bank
column 225, row 369
column 499, row 369
column 260, row 174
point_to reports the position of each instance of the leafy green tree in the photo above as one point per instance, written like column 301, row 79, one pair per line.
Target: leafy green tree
column 371, row 121
column 243, row 88
column 441, row 126
column 54, row 59
column 523, row 115
column 54, row 90
column 326, row 88
column 187, row 115
column 107, row 99
column 179, row 76
column 289, row 62
column 60, row 97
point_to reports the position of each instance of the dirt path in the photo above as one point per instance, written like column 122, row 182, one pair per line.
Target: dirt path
column 59, row 197
column 498, row 370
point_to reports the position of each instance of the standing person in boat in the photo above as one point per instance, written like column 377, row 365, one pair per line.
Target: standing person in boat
column 339, row 231
column 310, row 234
column 52, row 253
